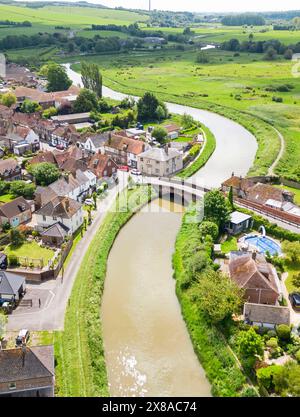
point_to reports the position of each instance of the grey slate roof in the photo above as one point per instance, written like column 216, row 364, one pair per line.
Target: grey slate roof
column 263, row 313
column 56, row 230
column 159, row 154
column 14, row 207
column 99, row 140
column 60, row 207
column 10, row 283
column 37, row 363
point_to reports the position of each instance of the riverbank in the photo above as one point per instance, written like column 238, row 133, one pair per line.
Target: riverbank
column 221, row 367
column 209, row 148
column 80, row 363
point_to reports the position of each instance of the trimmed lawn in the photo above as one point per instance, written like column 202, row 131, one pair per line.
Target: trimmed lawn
column 30, row 250
column 292, row 269
column 229, row 245
column 6, row 198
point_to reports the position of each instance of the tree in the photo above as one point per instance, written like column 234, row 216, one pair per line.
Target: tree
column 57, row 77
column 91, row 78
column 4, row 187
column 283, row 332
column 271, row 54
column 287, row 381
column 16, row 237
column 3, row 321
column 21, row 188
column 230, row 197
column 8, row 99
column 217, row 296
column 147, row 107
column 288, row 54
column 187, row 121
column 29, row 106
column 86, row 101
column 44, row 173
column 94, row 195
column 215, row 207
column 209, row 228
column 291, row 250
column 51, row 111
column 202, row 58
column 250, row 343
column 159, row 133
column 296, row 280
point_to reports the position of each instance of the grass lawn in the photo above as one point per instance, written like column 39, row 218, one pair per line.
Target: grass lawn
column 293, row 190
column 229, row 245
column 30, row 250
column 292, row 269
column 6, row 198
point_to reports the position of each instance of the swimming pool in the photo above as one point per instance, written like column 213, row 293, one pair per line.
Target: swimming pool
column 264, row 244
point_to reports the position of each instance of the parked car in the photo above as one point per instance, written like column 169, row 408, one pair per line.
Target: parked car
column 295, row 300
column 89, row 202
column 135, row 172
column 123, row 168
column 23, row 337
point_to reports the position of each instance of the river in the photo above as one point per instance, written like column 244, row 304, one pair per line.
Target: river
column 147, row 347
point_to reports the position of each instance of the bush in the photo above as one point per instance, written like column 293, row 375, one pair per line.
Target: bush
column 297, row 356
column 13, row 260
column 209, row 228
column 271, row 333
column 248, row 391
column 283, row 332
column 265, row 376
column 272, row 343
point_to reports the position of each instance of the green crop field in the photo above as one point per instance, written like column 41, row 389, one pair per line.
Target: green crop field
column 46, row 18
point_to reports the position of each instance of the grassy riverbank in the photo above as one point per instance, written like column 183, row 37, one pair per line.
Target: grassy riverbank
column 80, row 363
column 221, row 368
column 209, row 147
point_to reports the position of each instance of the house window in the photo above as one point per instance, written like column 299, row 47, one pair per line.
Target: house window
column 44, row 218
column 105, row 173
column 142, row 159
column 54, row 218
column 12, row 385
column 109, row 163
column 157, row 171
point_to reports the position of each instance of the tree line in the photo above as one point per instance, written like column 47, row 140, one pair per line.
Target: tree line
column 26, row 23
column 250, row 19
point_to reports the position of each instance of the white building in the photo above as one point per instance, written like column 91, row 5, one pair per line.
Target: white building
column 160, row 162
column 60, row 209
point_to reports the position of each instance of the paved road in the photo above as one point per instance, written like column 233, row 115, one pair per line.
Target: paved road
column 57, row 292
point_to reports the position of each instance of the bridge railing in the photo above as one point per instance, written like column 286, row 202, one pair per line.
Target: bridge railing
column 184, row 183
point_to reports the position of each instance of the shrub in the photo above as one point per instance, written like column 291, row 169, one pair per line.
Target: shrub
column 283, row 332
column 209, row 228
column 271, row 333
column 248, row 391
column 297, row 356
column 13, row 260
column 265, row 376
column 16, row 237
column 272, row 343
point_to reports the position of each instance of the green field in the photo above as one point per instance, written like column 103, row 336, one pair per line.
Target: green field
column 228, row 84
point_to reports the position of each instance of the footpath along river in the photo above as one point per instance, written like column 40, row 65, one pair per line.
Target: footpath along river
column 147, row 347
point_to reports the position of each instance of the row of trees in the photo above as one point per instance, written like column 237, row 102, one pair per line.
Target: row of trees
column 271, row 47
column 26, row 23
column 249, row 19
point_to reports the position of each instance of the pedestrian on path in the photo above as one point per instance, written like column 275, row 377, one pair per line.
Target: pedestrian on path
column 40, row 303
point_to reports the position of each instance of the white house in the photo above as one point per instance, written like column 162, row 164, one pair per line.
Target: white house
column 60, row 209
column 95, row 143
column 76, row 187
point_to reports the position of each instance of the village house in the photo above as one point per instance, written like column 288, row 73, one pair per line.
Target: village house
column 64, row 135
column 16, row 212
column 160, row 162
column 124, row 150
column 42, row 157
column 256, row 277
column 94, row 143
column 172, row 130
column 12, row 287
column 18, row 75
column 60, row 209
column 27, row 372
column 102, row 166
column 23, row 139
column 9, row 170
column 264, row 315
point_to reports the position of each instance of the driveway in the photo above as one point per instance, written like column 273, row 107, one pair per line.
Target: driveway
column 54, row 294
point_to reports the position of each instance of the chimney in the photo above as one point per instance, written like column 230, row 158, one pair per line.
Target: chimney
column 254, row 255
column 67, row 205
column 167, row 149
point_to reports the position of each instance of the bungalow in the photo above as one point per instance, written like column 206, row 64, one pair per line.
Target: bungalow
column 238, row 223
column 269, row 195
column 160, row 162
column 72, row 118
column 124, row 150
column 102, row 166
column 9, row 170
column 15, row 212
column 47, row 156
column 12, row 287
column 239, row 185
column 256, row 277
column 27, row 372
column 268, row 316
column 60, row 209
